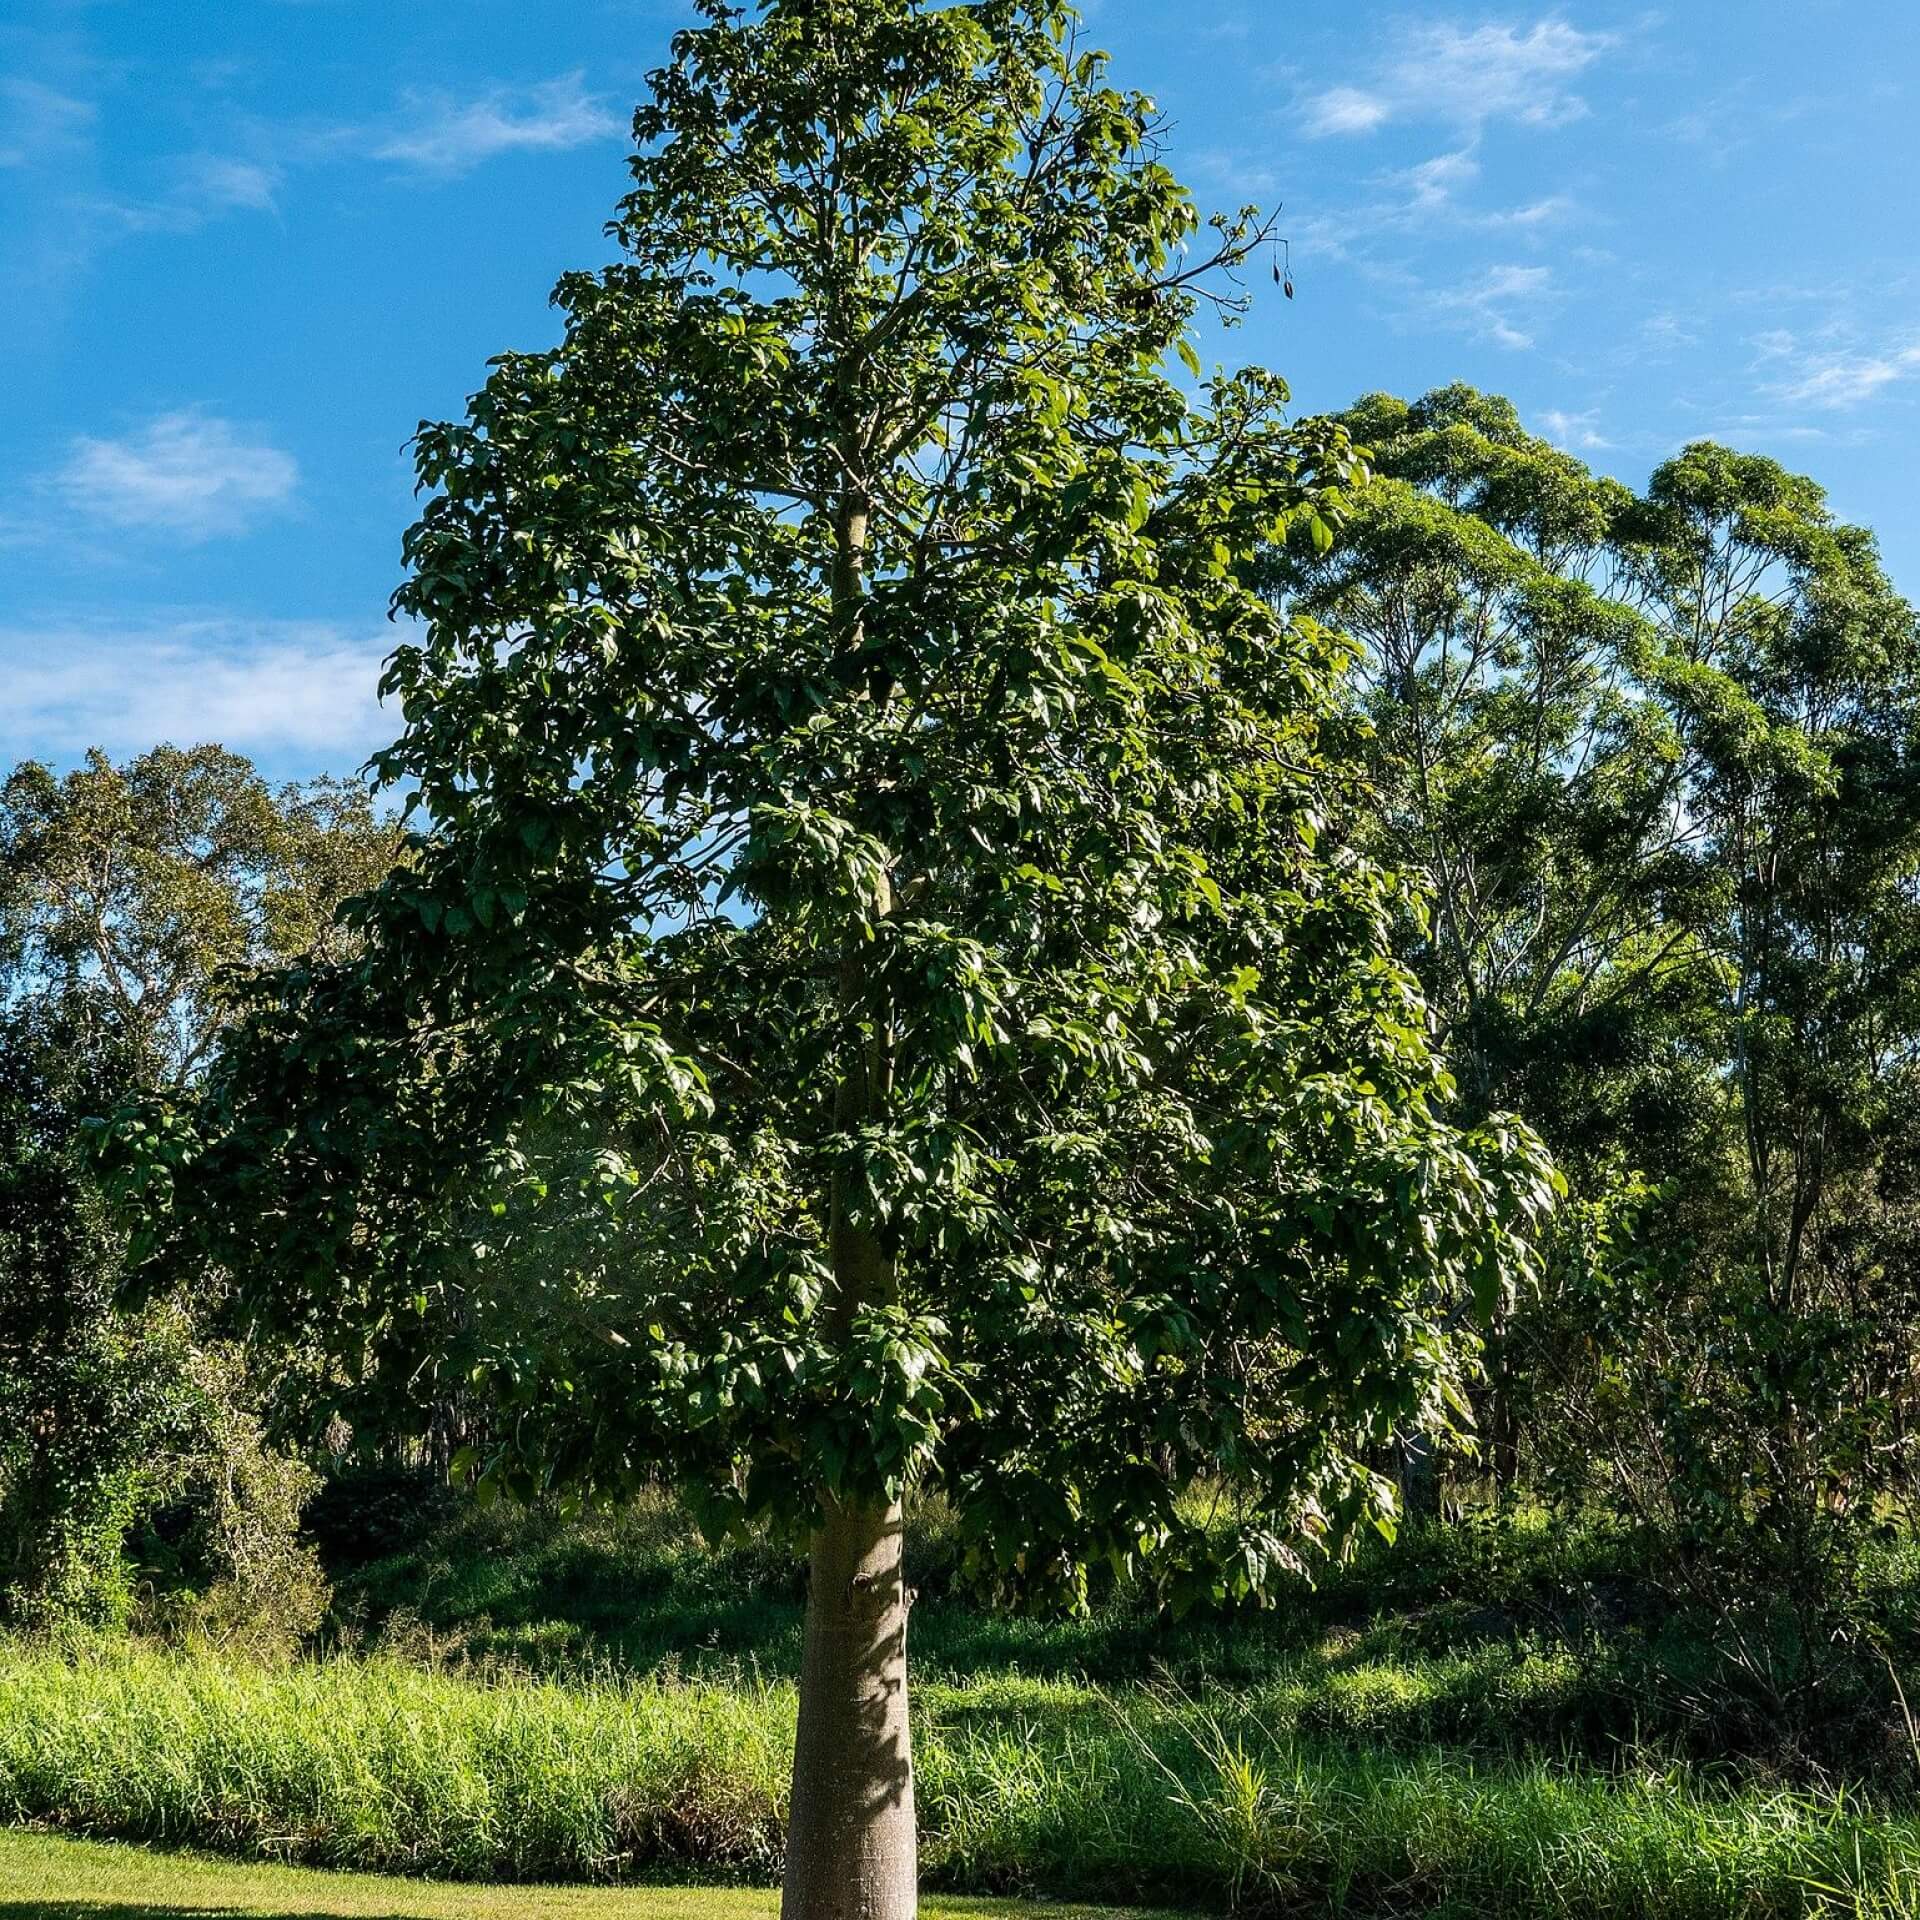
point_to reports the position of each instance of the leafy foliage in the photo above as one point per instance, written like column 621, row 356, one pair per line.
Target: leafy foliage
column 870, row 1002
column 125, row 895
column 126, row 891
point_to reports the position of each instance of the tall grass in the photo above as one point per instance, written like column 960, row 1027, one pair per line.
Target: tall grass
column 1026, row 1787
column 1513, row 1629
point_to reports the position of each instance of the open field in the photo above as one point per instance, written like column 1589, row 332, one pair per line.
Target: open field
column 44, row 1877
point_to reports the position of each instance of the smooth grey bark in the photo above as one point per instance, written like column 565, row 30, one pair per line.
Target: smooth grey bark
column 851, row 1846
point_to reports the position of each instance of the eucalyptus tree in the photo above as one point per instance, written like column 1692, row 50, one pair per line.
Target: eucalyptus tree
column 126, row 891
column 1654, row 757
column 1515, row 764
column 1515, row 760
column 868, row 1007
column 1791, row 669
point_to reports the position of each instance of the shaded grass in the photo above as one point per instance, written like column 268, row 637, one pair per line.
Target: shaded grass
column 638, row 1589
column 1028, row 1787
column 44, row 1877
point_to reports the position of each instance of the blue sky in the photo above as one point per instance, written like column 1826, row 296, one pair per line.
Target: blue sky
column 244, row 249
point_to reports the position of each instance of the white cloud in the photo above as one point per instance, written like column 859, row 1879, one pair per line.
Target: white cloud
column 446, row 136
column 1832, row 368
column 263, row 688
column 1534, row 213
column 203, row 186
column 187, row 474
column 1432, row 184
column 1345, row 110
column 1490, row 307
column 1465, row 76
column 1574, row 429
column 1842, row 380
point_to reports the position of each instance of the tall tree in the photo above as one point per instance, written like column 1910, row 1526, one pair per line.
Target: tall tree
column 1654, row 756
column 873, row 859
column 1516, row 764
column 126, row 891
column 1515, row 760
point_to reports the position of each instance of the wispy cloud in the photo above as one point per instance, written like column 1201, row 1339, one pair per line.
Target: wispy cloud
column 81, row 208
column 437, row 133
column 202, row 187
column 37, row 122
column 1464, row 76
column 1842, row 380
column 187, row 474
column 1830, row 369
column 1571, row 430
column 305, row 687
column 1431, row 185
column 1493, row 305
column 219, row 182
column 1346, row 110
column 1666, row 332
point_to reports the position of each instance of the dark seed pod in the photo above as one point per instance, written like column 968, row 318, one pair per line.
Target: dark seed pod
column 1286, row 287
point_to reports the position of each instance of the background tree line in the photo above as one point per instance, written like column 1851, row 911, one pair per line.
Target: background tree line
column 136, row 1469
column 1652, row 756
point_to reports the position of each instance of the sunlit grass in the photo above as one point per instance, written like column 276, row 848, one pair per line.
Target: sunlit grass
column 48, row 1878
column 1028, row 1787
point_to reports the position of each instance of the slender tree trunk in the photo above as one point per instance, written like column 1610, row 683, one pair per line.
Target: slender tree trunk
column 1419, row 1477
column 851, row 1838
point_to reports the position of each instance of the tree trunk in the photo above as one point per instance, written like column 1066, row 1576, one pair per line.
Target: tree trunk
column 851, row 1840
column 1419, row 1477
column 850, row 1836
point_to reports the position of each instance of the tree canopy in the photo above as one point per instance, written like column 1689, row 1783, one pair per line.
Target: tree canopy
column 127, row 891
column 1654, row 755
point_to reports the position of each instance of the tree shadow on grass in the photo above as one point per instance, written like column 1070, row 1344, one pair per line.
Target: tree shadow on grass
column 114, row 1908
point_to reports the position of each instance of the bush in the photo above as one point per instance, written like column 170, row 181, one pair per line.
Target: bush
column 132, row 1455
column 1752, row 1448
column 224, row 1555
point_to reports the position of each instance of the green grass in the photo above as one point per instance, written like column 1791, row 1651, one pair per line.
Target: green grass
column 1505, row 1635
column 1490, row 1720
column 49, row 1878
column 1028, row 1787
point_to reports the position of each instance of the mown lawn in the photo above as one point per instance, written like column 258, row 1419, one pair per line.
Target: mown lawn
column 45, row 1877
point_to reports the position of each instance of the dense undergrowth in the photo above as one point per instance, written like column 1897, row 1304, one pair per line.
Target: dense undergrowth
column 1496, row 1718
column 1506, row 1633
